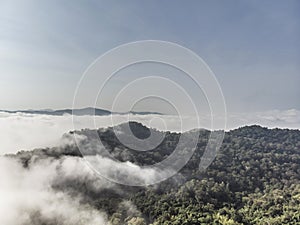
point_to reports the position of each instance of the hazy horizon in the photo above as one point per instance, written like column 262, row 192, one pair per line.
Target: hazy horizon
column 252, row 47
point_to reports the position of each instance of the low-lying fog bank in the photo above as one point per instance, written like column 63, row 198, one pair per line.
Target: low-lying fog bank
column 21, row 131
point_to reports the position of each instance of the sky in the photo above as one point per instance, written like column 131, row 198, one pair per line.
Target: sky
column 253, row 47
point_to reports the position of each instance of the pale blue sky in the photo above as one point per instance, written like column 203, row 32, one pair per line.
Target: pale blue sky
column 253, row 47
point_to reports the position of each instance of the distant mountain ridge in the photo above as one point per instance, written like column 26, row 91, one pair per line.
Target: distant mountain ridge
column 78, row 112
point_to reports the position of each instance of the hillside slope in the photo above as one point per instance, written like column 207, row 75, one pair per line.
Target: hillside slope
column 255, row 179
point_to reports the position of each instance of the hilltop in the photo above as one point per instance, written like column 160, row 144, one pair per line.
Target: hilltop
column 254, row 179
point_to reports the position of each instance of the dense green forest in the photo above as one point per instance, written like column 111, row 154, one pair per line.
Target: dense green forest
column 255, row 179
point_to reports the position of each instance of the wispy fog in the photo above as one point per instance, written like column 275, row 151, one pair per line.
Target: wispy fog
column 27, row 197
column 27, row 131
column 59, row 190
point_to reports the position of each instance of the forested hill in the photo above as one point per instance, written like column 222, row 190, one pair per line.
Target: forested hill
column 255, row 179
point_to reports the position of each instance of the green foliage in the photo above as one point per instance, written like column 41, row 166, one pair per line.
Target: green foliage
column 255, row 179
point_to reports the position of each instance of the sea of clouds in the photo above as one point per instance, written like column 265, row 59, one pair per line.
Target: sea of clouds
column 20, row 131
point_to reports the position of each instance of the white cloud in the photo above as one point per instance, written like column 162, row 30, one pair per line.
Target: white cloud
column 21, row 131
column 273, row 118
column 27, row 197
column 45, row 192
